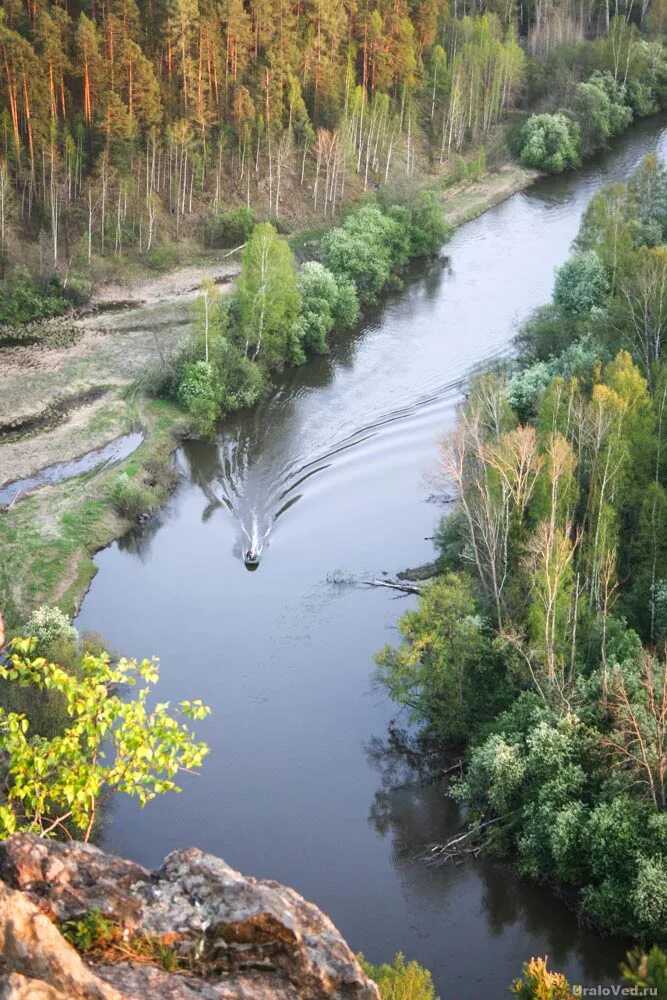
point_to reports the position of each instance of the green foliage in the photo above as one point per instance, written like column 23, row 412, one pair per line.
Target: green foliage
column 446, row 671
column 641, row 98
column 549, row 142
column 92, row 932
column 620, row 114
column 546, row 332
column 346, row 312
column 130, row 498
column 592, row 110
column 647, row 971
column 97, row 936
column 647, row 191
column 111, row 743
column 278, row 315
column 372, row 245
column 365, row 250
column 231, row 229
column 242, row 381
column 598, row 108
column 200, row 395
column 23, row 300
column 401, row 980
column 560, row 519
column 526, row 387
column 581, row 284
column 267, row 299
column 325, row 303
column 428, row 231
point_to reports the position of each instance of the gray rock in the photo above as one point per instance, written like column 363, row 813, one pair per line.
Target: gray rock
column 243, row 938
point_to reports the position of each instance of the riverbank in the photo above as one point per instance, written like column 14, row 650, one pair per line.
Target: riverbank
column 88, row 390
column 334, row 466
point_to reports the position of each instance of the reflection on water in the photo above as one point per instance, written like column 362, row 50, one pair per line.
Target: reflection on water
column 330, row 469
column 515, row 914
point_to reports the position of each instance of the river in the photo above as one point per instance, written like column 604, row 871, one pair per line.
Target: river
column 331, row 471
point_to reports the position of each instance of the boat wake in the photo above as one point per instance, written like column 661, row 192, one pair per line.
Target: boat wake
column 258, row 488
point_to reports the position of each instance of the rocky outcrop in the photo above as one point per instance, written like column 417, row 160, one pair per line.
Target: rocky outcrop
column 223, row 935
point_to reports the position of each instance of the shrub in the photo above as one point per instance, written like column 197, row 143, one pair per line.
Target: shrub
column 496, row 775
column 401, row 981
column 325, row 303
column 200, row 395
column 319, row 292
column 620, row 114
column 231, row 229
column 49, row 626
column 537, row 983
column 640, row 99
column 364, row 250
column 427, row 225
column 617, row 838
column 600, row 109
column 346, row 310
column 161, row 258
column 647, row 971
column 580, row 359
column 549, row 142
column 649, row 896
column 445, row 671
column 543, row 335
column 22, row 300
column 242, row 381
column 130, row 498
column 525, row 388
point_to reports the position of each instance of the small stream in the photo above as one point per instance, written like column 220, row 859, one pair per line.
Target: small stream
column 330, row 473
column 109, row 454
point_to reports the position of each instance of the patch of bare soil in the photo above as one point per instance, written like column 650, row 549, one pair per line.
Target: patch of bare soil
column 51, row 405
column 467, row 200
column 183, row 283
column 89, row 425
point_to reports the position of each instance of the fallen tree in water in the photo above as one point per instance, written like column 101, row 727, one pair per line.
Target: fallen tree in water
column 405, row 586
column 462, row 845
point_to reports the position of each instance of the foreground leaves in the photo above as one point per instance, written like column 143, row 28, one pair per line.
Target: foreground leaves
column 111, row 743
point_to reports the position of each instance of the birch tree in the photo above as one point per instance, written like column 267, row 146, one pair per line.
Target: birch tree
column 267, row 296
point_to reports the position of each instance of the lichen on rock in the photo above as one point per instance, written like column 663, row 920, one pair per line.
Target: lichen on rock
column 229, row 936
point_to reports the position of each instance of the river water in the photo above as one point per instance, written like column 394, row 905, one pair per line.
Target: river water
column 330, row 473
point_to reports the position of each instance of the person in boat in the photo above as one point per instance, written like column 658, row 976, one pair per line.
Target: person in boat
column 250, row 556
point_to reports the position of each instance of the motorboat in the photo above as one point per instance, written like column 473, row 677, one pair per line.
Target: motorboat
column 251, row 559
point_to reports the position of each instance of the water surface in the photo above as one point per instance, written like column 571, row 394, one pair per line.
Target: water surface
column 331, row 474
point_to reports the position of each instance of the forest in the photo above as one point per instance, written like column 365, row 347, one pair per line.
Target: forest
column 120, row 119
column 539, row 653
column 128, row 127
